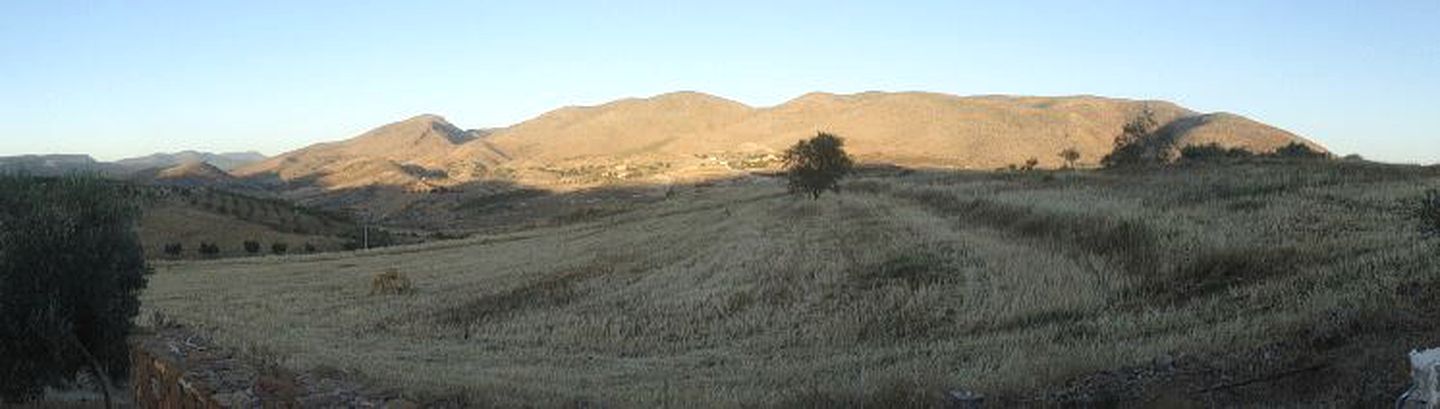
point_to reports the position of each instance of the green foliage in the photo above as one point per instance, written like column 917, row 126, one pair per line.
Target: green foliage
column 1296, row 150
column 309, row 248
column 252, row 246
column 1213, row 152
column 209, row 249
column 71, row 270
column 817, row 164
column 1427, row 212
column 1138, row 143
column 279, row 248
column 174, row 249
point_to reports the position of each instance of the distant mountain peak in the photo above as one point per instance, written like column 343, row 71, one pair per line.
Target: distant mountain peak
column 427, row 118
column 223, row 161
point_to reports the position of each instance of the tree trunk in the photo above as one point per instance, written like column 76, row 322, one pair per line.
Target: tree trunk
column 95, row 369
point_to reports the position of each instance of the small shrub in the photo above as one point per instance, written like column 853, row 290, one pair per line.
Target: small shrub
column 279, row 248
column 174, row 249
column 1296, row 150
column 1070, row 155
column 209, row 249
column 390, row 282
column 252, row 246
column 309, row 248
column 1212, row 152
column 1030, row 164
column 1427, row 212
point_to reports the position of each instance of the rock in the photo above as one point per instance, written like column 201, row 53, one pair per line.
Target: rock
column 963, row 399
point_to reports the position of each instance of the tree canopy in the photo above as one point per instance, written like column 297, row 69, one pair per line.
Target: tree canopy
column 71, row 269
column 817, row 164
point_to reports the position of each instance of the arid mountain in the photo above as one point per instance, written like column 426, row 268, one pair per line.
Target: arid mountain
column 193, row 174
column 1223, row 128
column 688, row 135
column 398, row 154
column 223, row 161
column 54, row 165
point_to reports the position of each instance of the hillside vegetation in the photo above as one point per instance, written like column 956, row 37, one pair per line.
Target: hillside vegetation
column 1267, row 282
column 189, row 216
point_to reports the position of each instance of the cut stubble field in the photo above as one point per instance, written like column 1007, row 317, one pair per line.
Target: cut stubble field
column 1027, row 287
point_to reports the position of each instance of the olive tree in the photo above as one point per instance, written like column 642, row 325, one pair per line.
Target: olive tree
column 71, row 269
column 815, row 165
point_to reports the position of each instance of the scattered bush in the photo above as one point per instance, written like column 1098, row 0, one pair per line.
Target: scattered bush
column 1030, row 164
column 252, row 246
column 815, row 165
column 1213, row 152
column 279, row 248
column 1296, row 150
column 390, row 282
column 71, row 269
column 174, row 249
column 1070, row 155
column 1427, row 211
column 309, row 248
column 209, row 249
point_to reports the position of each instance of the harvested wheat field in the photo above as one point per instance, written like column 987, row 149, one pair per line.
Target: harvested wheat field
column 1264, row 283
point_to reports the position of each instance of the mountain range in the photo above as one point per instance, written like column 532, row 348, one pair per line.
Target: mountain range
column 688, row 135
column 223, row 161
column 58, row 164
column 673, row 138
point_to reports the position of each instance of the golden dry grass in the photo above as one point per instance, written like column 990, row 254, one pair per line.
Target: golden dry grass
column 903, row 286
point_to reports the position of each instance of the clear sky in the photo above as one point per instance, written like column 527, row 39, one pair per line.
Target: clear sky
column 131, row 77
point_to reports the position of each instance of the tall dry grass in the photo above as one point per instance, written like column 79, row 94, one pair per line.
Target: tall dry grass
column 886, row 295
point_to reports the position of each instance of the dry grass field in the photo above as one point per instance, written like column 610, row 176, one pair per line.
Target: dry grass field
column 1258, row 283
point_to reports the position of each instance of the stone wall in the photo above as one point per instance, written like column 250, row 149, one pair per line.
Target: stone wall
column 179, row 369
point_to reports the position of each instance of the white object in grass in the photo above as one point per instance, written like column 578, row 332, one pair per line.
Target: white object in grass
column 1424, row 366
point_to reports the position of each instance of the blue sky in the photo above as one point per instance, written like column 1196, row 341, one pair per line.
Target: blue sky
column 126, row 78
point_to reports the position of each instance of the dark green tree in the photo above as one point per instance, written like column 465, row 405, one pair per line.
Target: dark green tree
column 1138, row 143
column 279, row 248
column 1212, row 152
column 71, row 269
column 815, row 165
column 252, row 246
column 209, row 249
column 1297, row 150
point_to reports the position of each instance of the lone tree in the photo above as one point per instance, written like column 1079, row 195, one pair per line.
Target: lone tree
column 817, row 164
column 252, row 246
column 71, row 269
column 1138, row 143
column 1070, row 155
